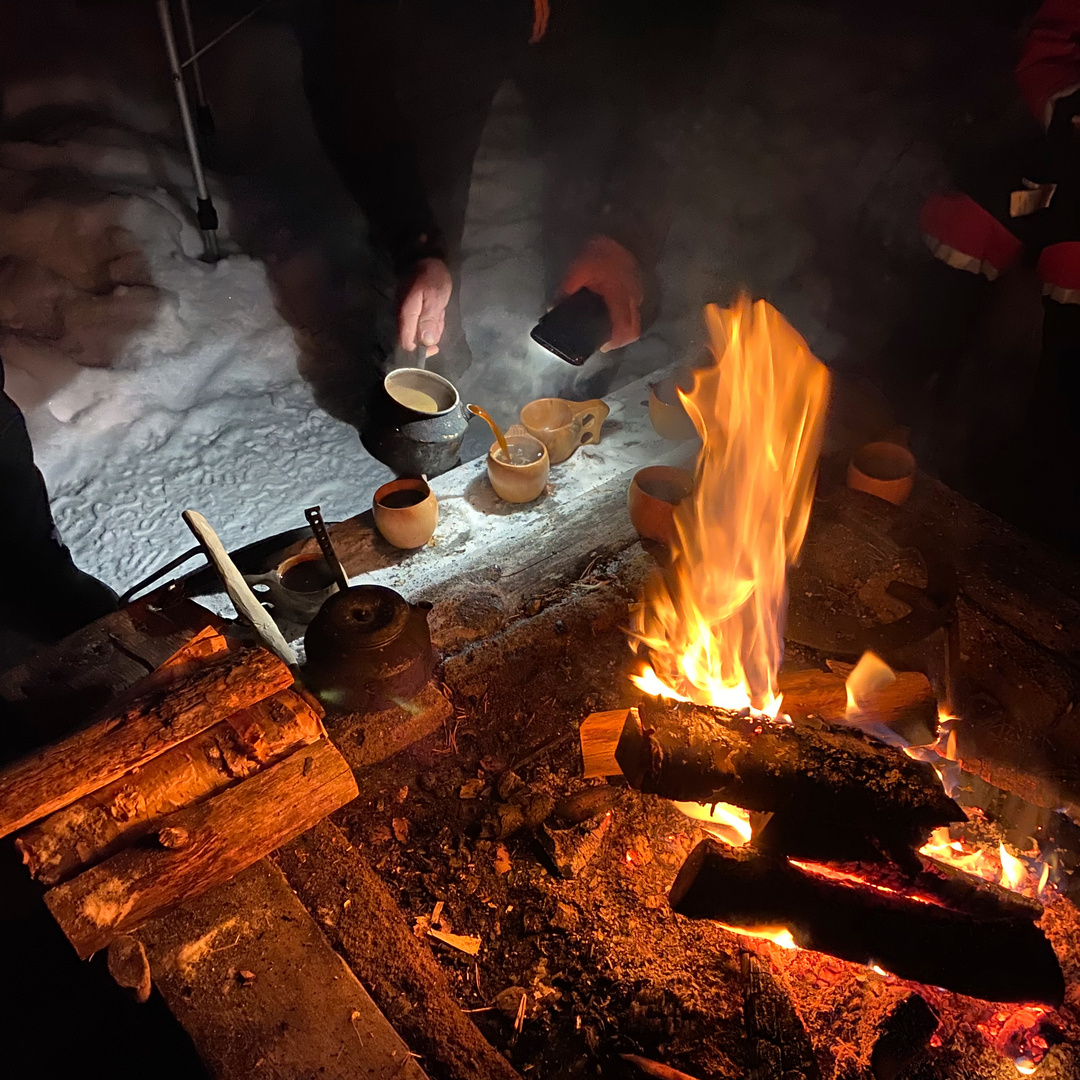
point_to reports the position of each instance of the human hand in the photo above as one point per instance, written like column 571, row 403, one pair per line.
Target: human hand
column 607, row 268
column 422, row 314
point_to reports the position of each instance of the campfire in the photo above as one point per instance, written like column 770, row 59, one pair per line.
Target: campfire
column 832, row 823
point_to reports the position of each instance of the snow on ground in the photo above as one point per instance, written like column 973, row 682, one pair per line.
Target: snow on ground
column 821, row 131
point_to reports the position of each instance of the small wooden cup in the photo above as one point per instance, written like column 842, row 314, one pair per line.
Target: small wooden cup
column 883, row 469
column 519, row 483
column 666, row 413
column 562, row 426
column 654, row 493
column 406, row 513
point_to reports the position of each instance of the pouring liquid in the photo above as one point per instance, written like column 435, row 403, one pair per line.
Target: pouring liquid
column 519, row 455
column 484, row 415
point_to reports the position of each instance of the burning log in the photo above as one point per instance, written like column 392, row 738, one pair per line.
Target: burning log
column 907, row 705
column 996, row 959
column 202, row 846
column 832, row 794
column 135, row 733
column 99, row 824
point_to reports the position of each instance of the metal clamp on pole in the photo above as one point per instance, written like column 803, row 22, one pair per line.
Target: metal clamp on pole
column 205, row 212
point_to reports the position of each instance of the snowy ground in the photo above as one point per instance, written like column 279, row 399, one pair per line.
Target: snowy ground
column 824, row 126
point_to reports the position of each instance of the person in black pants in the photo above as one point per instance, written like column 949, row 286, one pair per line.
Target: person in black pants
column 43, row 595
column 400, row 91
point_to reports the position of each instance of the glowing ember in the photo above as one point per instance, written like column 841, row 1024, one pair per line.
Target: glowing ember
column 728, row 823
column 1017, row 1035
column 713, row 625
column 848, row 878
column 778, row 935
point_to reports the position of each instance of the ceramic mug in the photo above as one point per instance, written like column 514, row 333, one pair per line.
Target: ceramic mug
column 525, row 476
column 562, row 426
column 406, row 513
column 884, row 469
column 654, row 493
column 666, row 412
column 296, row 587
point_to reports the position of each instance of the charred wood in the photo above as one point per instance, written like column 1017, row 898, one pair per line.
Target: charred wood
column 995, row 959
column 780, row 1048
column 905, row 1035
column 833, row 794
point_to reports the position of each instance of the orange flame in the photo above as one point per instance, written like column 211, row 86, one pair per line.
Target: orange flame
column 869, row 676
column 778, row 935
column 730, row 823
column 713, row 623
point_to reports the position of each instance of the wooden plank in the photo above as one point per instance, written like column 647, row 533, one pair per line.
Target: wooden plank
column 102, row 822
column 362, row 919
column 519, row 551
column 302, row 1014
column 49, row 779
column 203, row 846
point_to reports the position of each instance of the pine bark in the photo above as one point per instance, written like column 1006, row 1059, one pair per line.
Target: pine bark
column 134, row 733
column 202, row 846
column 101, row 823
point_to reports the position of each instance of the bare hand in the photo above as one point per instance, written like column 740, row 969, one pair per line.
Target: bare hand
column 422, row 315
column 607, row 268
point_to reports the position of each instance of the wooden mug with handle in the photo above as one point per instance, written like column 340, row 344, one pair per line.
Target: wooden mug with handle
column 562, row 425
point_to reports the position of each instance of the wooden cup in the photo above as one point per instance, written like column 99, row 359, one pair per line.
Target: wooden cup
column 654, row 493
column 519, row 483
column 406, row 513
column 883, row 469
column 562, row 426
column 666, row 413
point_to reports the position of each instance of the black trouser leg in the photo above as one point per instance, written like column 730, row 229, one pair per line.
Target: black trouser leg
column 42, row 593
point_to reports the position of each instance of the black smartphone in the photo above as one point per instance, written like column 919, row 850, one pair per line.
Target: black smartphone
column 575, row 328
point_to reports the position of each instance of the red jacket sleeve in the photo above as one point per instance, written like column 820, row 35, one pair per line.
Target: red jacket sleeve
column 1049, row 66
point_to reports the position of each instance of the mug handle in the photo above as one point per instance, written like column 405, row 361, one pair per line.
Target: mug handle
column 589, row 416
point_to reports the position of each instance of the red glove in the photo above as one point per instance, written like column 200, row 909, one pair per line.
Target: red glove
column 422, row 315
column 607, row 268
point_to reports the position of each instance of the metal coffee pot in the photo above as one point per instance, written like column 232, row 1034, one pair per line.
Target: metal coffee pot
column 415, row 423
column 368, row 650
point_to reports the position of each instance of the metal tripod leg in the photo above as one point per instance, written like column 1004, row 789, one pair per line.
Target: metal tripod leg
column 205, row 212
column 204, row 118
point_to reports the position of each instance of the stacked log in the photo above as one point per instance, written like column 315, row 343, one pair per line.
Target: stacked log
column 209, row 764
column 999, row 959
column 827, row 792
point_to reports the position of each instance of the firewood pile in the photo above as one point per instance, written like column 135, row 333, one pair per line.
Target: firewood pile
column 199, row 770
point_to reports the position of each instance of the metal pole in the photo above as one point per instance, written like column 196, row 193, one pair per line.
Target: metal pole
column 205, row 212
column 204, row 119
